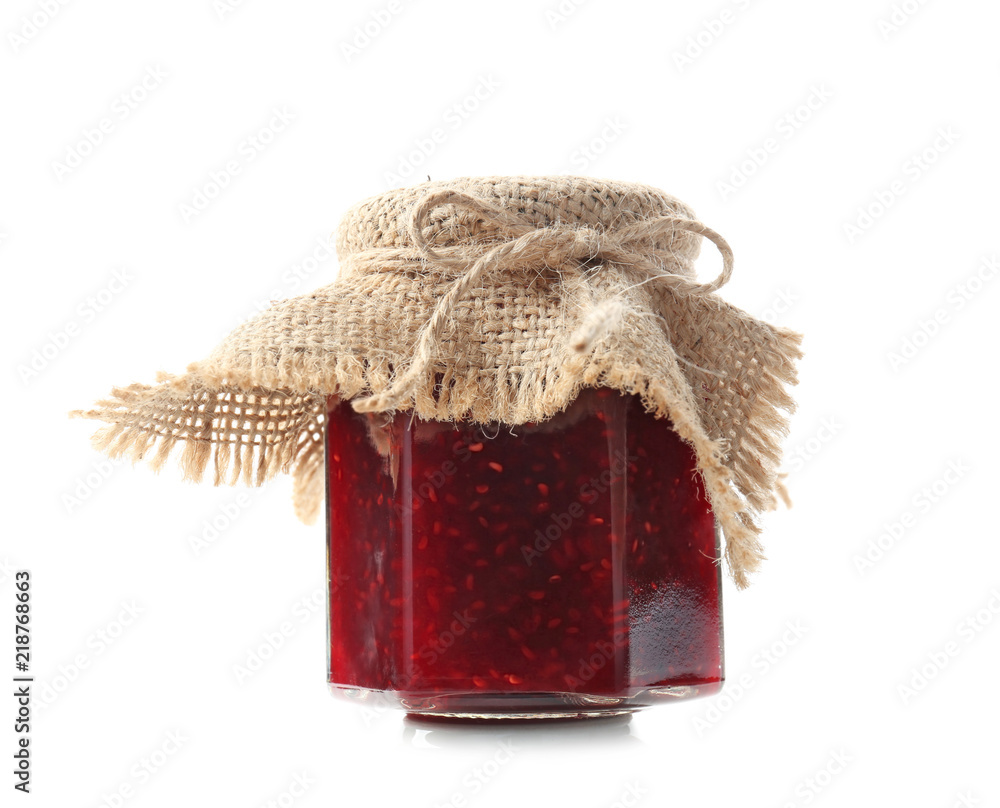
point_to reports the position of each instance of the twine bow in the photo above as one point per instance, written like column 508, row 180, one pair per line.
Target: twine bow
column 528, row 245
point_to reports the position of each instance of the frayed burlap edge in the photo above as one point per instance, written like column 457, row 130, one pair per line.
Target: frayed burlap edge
column 221, row 426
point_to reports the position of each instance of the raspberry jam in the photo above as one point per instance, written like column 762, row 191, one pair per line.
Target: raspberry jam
column 559, row 569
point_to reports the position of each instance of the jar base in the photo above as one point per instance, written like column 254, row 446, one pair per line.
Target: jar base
column 481, row 717
column 523, row 706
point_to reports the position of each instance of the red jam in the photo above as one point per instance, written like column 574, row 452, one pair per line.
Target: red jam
column 557, row 569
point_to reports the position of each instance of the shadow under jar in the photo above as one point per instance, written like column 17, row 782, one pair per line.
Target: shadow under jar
column 552, row 570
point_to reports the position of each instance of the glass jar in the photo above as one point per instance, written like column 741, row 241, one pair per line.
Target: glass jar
column 552, row 570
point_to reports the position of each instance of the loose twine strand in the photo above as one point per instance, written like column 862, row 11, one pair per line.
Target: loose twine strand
column 555, row 247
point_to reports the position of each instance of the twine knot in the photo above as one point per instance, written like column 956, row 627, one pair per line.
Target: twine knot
column 555, row 247
column 568, row 244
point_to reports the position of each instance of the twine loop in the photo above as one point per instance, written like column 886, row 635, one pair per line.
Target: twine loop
column 555, row 247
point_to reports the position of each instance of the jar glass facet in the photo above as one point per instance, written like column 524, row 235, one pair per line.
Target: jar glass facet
column 566, row 568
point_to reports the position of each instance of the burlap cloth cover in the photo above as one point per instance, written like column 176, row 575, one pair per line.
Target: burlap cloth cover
column 490, row 299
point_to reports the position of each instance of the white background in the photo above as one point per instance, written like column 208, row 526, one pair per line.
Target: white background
column 596, row 89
